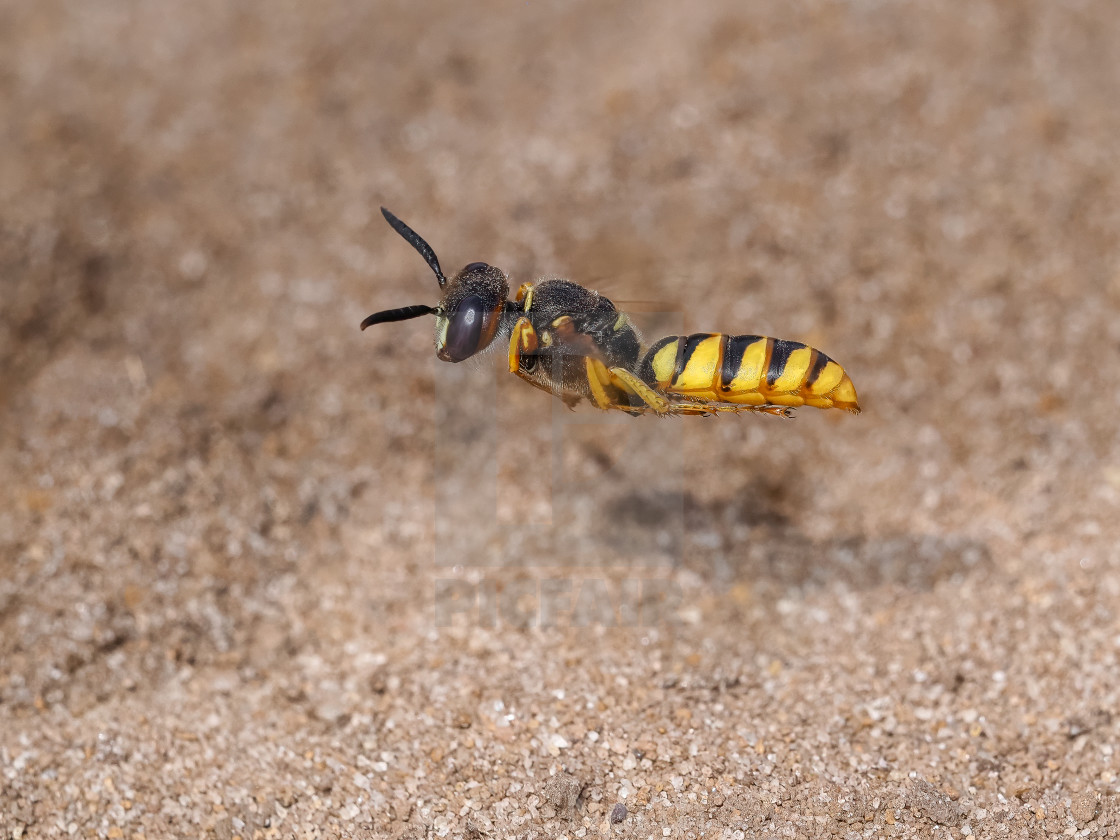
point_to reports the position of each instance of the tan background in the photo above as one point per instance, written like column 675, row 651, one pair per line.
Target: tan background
column 220, row 503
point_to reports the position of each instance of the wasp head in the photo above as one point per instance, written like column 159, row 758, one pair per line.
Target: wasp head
column 468, row 317
column 470, row 311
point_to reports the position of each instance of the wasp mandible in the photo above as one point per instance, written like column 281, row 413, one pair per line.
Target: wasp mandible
column 575, row 344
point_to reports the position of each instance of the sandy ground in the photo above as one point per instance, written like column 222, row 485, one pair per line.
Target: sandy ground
column 264, row 575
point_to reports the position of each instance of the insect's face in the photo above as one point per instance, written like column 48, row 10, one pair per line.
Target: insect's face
column 468, row 317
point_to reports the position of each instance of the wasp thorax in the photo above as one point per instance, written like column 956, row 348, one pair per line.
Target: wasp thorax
column 471, row 310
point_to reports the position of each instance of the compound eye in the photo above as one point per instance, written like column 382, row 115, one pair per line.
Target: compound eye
column 475, row 266
column 467, row 328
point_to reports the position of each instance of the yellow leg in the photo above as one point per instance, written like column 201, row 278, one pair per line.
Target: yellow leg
column 605, row 385
column 688, row 408
column 685, row 406
column 525, row 296
column 673, row 404
column 523, row 339
column 633, row 385
column 664, row 404
column 597, row 378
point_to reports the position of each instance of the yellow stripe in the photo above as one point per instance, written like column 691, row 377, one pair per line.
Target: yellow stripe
column 700, row 369
column 665, row 362
column 751, row 370
column 441, row 332
column 844, row 395
column 794, row 373
column 829, row 378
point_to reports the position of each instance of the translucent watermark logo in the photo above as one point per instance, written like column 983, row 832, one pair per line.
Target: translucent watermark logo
column 559, row 517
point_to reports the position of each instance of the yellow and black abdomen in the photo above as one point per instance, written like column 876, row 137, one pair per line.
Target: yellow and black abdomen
column 747, row 370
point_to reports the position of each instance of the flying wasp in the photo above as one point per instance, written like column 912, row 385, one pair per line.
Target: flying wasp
column 575, row 344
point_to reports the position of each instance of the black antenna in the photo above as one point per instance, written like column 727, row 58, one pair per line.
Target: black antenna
column 402, row 314
column 416, row 241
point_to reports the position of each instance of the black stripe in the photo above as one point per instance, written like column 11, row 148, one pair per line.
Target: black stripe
column 678, row 365
column 816, row 367
column 733, row 357
column 724, row 340
column 778, row 358
column 685, row 350
column 645, row 369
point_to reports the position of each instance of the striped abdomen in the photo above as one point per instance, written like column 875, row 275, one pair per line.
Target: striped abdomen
column 748, row 370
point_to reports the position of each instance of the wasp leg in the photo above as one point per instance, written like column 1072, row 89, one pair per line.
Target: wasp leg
column 597, row 379
column 607, row 392
column 525, row 296
column 707, row 409
column 523, row 339
column 662, row 405
column 633, row 385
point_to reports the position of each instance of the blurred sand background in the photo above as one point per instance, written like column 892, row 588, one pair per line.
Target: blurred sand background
column 226, row 514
